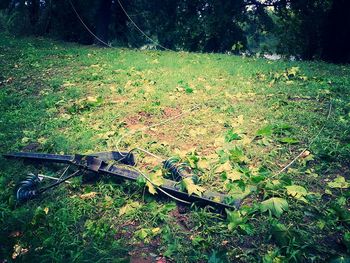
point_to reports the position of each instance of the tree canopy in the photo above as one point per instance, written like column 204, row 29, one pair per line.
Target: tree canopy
column 312, row 29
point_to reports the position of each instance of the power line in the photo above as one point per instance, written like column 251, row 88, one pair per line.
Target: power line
column 139, row 29
column 310, row 143
column 86, row 27
column 127, row 15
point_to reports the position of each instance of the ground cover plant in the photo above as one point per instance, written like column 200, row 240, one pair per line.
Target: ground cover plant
column 242, row 120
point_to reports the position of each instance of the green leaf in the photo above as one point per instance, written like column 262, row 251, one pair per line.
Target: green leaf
column 237, row 155
column 234, row 219
column 275, row 205
column 338, row 182
column 188, row 90
column 288, row 140
column 238, row 194
column 273, row 185
column 346, row 240
column 217, row 257
column 129, row 208
column 281, row 234
column 265, row 131
column 156, row 180
column 191, row 187
column 341, row 259
column 232, row 136
column 247, row 229
column 297, row 192
column 142, row 233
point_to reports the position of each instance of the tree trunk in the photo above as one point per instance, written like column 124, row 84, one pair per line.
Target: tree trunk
column 103, row 18
column 34, row 8
column 337, row 33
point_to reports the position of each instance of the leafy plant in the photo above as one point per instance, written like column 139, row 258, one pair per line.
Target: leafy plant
column 237, row 155
column 191, row 187
column 338, row 182
column 156, row 180
column 275, row 205
column 297, row 192
column 232, row 136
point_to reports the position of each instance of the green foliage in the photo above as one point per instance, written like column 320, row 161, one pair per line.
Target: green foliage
column 297, row 192
column 191, row 187
column 62, row 98
column 275, row 205
column 338, row 182
column 217, row 257
column 232, row 136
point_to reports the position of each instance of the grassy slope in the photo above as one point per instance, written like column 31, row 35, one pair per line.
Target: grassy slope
column 58, row 97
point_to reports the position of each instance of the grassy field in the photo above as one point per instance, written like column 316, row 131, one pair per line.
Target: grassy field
column 242, row 120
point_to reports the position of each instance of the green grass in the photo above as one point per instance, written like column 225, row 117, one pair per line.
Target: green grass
column 254, row 116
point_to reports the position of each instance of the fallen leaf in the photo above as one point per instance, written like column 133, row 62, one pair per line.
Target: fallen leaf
column 234, row 175
column 226, row 167
column 18, row 251
column 297, row 191
column 91, row 99
column 46, row 210
column 275, row 205
column 305, row 154
column 156, row 180
column 339, row 182
column 191, row 187
column 128, row 208
column 203, row 164
column 88, row 195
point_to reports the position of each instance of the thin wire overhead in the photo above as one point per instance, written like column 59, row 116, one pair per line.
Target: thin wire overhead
column 128, row 16
column 139, row 29
column 86, row 27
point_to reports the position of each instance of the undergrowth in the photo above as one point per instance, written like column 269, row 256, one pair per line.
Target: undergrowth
column 252, row 118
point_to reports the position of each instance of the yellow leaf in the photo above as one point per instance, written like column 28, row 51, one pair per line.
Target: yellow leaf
column 245, row 140
column 128, row 208
column 226, row 167
column 191, row 187
column 203, row 164
column 46, row 210
column 238, row 121
column 108, row 201
column 219, row 142
column 217, row 199
column 91, row 99
column 18, row 251
column 156, row 230
column 88, row 195
column 156, row 180
column 42, row 140
column 151, row 188
column 198, row 131
column 67, row 84
column 234, row 175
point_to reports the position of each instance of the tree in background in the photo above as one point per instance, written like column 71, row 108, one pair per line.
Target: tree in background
column 103, row 17
column 309, row 29
column 300, row 26
column 336, row 35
